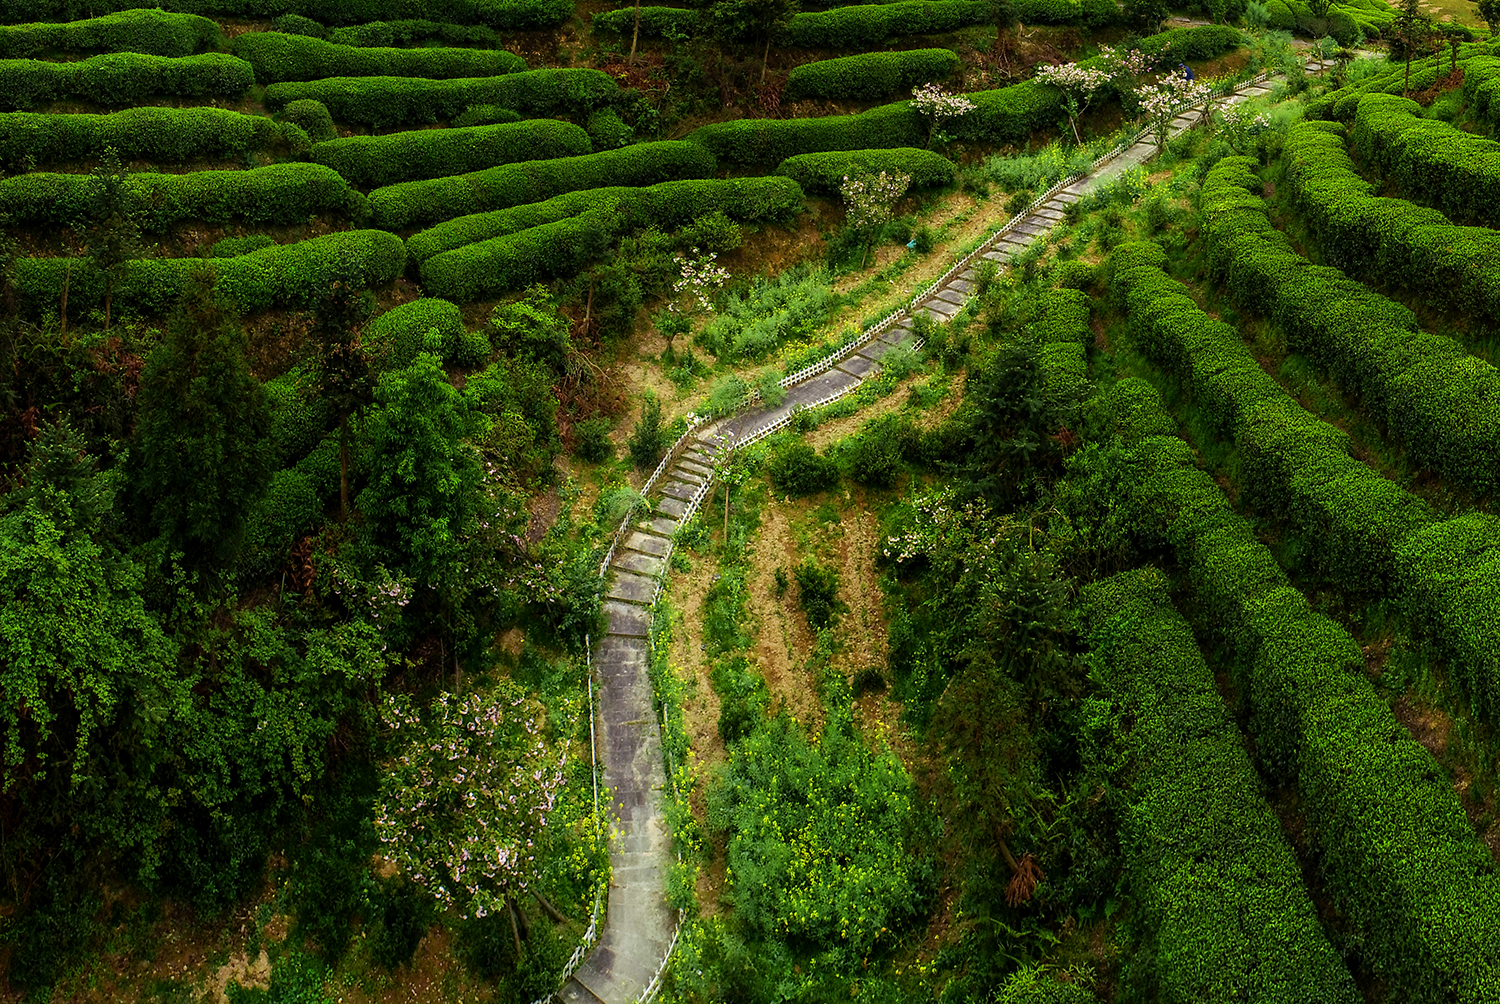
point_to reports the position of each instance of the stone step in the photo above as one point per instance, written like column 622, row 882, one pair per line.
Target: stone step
column 647, row 543
column 627, row 619
column 632, row 588
column 859, row 366
column 680, row 490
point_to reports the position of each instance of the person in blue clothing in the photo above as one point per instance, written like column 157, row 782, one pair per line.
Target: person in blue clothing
column 1187, row 71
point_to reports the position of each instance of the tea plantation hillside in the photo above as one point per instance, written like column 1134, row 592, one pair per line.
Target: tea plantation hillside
column 939, row 500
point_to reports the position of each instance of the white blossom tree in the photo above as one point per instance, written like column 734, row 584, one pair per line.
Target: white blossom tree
column 699, row 278
column 465, row 806
column 1078, row 84
column 1160, row 102
column 938, row 106
column 870, row 203
column 1239, row 125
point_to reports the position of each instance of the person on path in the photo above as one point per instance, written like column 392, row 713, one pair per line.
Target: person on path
column 1187, row 71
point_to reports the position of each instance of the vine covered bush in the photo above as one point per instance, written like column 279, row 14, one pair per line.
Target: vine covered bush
column 153, row 32
column 277, row 57
column 123, row 78
column 417, row 154
column 392, row 101
column 871, row 75
column 416, row 203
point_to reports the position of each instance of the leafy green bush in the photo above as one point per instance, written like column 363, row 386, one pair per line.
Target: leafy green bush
column 871, row 75
column 413, row 31
column 414, row 203
column 374, row 161
column 278, row 57
column 1199, row 855
column 559, row 236
column 649, row 439
column 1430, row 394
column 152, row 32
column 396, row 337
column 123, row 78
column 279, row 193
column 785, row 306
column 798, row 469
column 506, row 15
column 818, row 594
column 867, row 26
column 656, row 22
column 608, row 131
column 825, row 172
column 160, row 135
column 821, row 841
column 314, row 119
column 591, row 440
column 232, row 247
column 874, row 456
column 391, row 101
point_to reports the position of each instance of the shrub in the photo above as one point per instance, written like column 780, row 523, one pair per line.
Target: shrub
column 1442, row 403
column 291, row 275
column 280, row 193
column 278, row 57
column 649, row 439
column 313, row 118
column 867, row 26
column 871, row 75
column 296, row 24
column 825, row 172
column 123, row 78
column 786, row 306
column 608, row 131
column 391, row 101
column 591, row 440
column 1197, row 855
column 159, row 135
column 374, row 161
column 233, row 247
column 506, row 15
column 491, row 253
column 396, row 337
column 797, row 469
column 152, row 32
column 771, row 141
column 818, row 594
column 874, row 456
column 486, row 115
column 289, row 508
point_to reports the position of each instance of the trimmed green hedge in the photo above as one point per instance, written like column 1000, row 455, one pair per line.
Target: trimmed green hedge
column 669, row 204
column 291, row 275
column 514, row 248
column 1456, row 171
column 1342, row 103
column 509, row 15
column 280, row 193
column 1441, row 402
column 867, row 26
column 159, row 135
column 390, row 101
column 825, row 172
column 1454, row 268
column 1482, row 86
column 278, row 57
column 152, row 32
column 1005, row 115
column 123, row 78
column 1062, row 326
column 1293, row 464
column 419, row 203
column 373, row 161
column 1225, row 914
column 1416, row 890
column 871, row 75
column 656, row 22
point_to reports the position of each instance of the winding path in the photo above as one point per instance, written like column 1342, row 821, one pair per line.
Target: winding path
column 641, row 929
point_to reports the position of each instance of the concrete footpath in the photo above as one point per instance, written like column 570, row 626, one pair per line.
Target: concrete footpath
column 640, row 929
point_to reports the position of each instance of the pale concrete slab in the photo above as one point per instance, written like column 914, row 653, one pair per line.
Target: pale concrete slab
column 627, row 619
column 648, row 543
column 641, row 564
column 673, row 507
column 680, row 489
column 858, row 366
column 631, row 588
column 663, row 526
column 952, row 295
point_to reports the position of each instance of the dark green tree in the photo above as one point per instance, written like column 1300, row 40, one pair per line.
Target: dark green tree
column 1489, row 12
column 743, row 20
column 1009, row 431
column 422, row 493
column 343, row 368
column 1413, row 31
column 201, row 455
column 1147, row 14
column 115, row 219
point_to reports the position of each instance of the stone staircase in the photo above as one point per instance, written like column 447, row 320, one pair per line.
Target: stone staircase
column 641, row 929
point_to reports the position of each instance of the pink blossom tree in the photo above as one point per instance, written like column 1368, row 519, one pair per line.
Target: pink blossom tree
column 938, row 106
column 1078, row 84
column 1160, row 102
column 870, row 203
column 465, row 807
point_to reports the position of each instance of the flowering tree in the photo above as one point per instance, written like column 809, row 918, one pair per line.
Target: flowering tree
column 1078, row 85
column 938, row 106
column 1124, row 66
column 1240, row 125
column 870, row 203
column 1161, row 101
column 465, row 806
column 698, row 279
